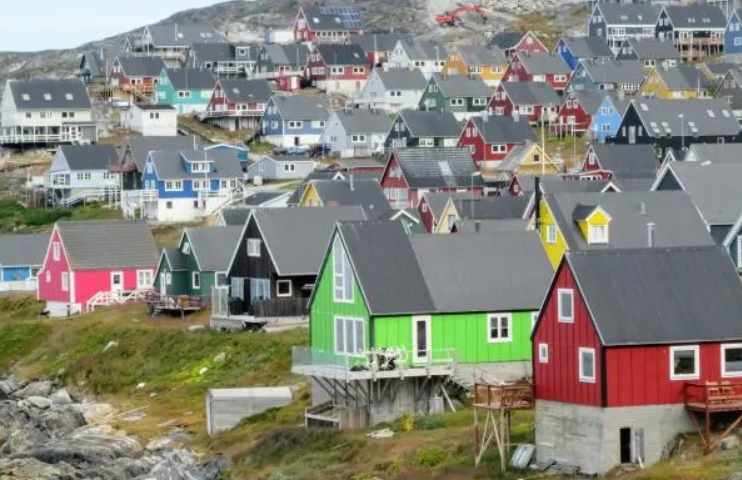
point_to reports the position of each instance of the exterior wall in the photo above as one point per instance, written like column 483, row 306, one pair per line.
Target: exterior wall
column 558, row 379
column 555, row 251
column 437, row 101
column 161, row 123
column 391, row 184
column 605, row 122
column 269, row 169
column 528, row 165
column 51, row 290
column 730, row 92
column 517, row 72
column 426, row 215
column 90, row 282
column 376, row 96
column 733, row 39
column 310, row 197
column 580, row 118
column 165, row 94
column 177, row 285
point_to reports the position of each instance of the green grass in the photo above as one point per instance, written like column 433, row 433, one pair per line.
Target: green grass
column 14, row 217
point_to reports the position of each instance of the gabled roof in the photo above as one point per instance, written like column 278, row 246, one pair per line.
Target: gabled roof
column 609, row 70
column 697, row 16
column 626, row 161
column 297, row 238
column 448, row 167
column 620, row 103
column 589, row 100
column 341, row 54
column 191, row 79
column 175, row 259
column 402, row 79
column 501, row 129
column 379, row 42
column 213, row 52
column 629, row 14
column 660, row 295
column 213, row 246
column 23, row 250
column 587, row 47
column 699, row 116
column 352, row 192
column 89, row 157
column 531, row 93
column 297, row 194
column 301, row 108
column 431, row 124
column 437, row 201
column 718, row 152
column 477, row 55
column 544, row 63
column 490, row 227
column 141, row 146
column 288, row 54
column 50, row 93
column 235, row 216
column 139, row 66
column 518, row 154
column 333, row 17
column 721, row 68
column 652, row 48
column 183, row 35
column 677, row 222
column 684, row 77
column 96, row 63
column 246, row 91
column 170, row 164
column 584, row 212
column 364, row 121
column 457, row 86
column 425, row 50
column 490, row 208
column 109, row 244
column 506, row 40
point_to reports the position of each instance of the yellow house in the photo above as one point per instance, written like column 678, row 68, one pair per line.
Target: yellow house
column 477, row 61
column 310, row 198
column 528, row 159
column 678, row 82
column 506, row 208
column 363, row 192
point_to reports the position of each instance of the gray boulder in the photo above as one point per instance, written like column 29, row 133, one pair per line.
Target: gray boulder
column 61, row 397
column 39, row 402
column 7, row 387
column 32, row 469
column 35, row 389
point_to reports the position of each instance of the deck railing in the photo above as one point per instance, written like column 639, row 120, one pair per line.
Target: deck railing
column 508, row 396
column 711, row 396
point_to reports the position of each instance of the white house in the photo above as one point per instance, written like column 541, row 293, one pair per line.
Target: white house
column 356, row 132
column 46, row 111
column 152, row 120
column 393, row 90
column 80, row 173
column 428, row 57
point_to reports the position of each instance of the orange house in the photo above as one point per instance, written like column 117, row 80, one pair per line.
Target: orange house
column 489, row 64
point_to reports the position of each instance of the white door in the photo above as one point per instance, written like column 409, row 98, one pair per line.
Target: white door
column 117, row 281
column 421, row 341
column 163, row 284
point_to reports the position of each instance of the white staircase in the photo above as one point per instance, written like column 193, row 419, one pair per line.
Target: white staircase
column 237, row 195
column 97, row 194
column 108, row 299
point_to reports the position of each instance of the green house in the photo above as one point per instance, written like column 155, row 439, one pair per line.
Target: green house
column 198, row 264
column 189, row 90
column 395, row 317
column 463, row 96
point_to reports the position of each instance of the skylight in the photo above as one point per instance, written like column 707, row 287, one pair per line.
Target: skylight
column 725, row 113
column 236, row 90
column 710, row 113
column 624, row 17
column 445, row 168
column 640, row 17
column 48, row 97
column 644, row 107
column 692, row 126
column 69, row 96
column 26, row 97
column 691, row 20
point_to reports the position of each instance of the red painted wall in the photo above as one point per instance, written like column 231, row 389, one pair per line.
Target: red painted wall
column 470, row 137
column 518, row 73
column 90, row 282
column 52, row 291
column 558, row 380
column 423, row 209
column 503, row 101
column 147, row 82
column 534, row 46
column 582, row 118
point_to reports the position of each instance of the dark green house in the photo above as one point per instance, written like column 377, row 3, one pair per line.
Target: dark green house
column 465, row 97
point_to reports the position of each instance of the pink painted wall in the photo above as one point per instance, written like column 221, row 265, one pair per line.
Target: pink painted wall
column 51, row 291
column 90, row 282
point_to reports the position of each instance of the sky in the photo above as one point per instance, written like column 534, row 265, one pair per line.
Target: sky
column 32, row 25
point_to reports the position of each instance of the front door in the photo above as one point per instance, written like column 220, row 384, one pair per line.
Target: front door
column 421, row 340
column 117, row 281
column 632, row 135
column 163, row 284
column 297, row 141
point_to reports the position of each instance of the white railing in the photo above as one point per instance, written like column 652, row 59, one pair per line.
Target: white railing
column 19, row 138
column 96, row 194
column 28, row 285
column 107, row 299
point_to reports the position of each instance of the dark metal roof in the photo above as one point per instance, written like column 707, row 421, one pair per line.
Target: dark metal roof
column 431, row 124
column 333, row 17
column 183, row 35
column 697, row 16
column 627, row 161
column 447, row 167
column 247, row 91
column 213, row 246
column 23, row 250
column 379, row 42
column 491, row 208
column 352, row 191
column 89, row 157
column 544, row 63
column 458, row 86
column 629, row 14
column 139, row 66
column 684, row 77
column 141, row 146
column 341, row 54
column 301, row 108
column 699, row 117
column 50, row 94
column 531, row 93
column 653, row 48
column 506, row 40
column 191, row 79
column 170, row 164
column 588, row 47
column 609, row 70
column 500, row 129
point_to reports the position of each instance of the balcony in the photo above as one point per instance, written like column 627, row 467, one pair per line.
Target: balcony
column 372, row 364
column 708, row 399
column 698, row 42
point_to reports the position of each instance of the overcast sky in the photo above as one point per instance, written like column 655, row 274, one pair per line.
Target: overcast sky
column 31, row 25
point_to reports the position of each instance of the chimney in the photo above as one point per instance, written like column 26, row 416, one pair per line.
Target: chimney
column 351, row 183
column 477, row 226
column 650, row 235
column 642, row 208
column 537, row 200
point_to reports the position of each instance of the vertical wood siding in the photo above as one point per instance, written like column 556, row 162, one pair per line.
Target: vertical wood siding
column 51, row 291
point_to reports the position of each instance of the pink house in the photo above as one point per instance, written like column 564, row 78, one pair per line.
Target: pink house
column 85, row 260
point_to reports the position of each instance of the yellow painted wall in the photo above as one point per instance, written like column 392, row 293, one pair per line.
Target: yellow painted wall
column 310, row 198
column 528, row 166
column 653, row 86
column 449, row 211
column 454, row 64
column 490, row 74
column 555, row 250
column 597, row 218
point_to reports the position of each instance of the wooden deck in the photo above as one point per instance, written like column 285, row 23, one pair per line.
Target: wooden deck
column 509, row 396
column 181, row 304
column 707, row 399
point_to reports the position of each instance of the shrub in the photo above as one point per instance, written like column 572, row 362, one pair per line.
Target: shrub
column 430, row 457
column 37, row 218
column 430, row 422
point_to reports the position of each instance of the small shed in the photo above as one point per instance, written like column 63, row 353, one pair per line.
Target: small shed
column 227, row 407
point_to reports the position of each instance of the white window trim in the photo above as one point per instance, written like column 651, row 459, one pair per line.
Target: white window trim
column 284, row 282
column 196, row 276
column 150, row 277
column 592, row 238
column 584, row 378
column 571, row 293
column 340, row 249
column 543, row 353
column 499, row 316
column 55, row 251
column 724, row 348
column 697, row 362
column 251, row 243
column 65, row 280
column 347, row 320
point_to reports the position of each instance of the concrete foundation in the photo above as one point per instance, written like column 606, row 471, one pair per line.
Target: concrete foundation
column 595, row 440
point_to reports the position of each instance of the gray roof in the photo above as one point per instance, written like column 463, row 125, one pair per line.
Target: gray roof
column 627, row 161
column 402, row 79
column 297, row 195
column 661, row 295
column 491, row 208
column 332, row 17
column 677, row 222
column 437, row 201
column 629, row 14
column 531, row 93
column 544, row 63
column 490, row 227
column 364, row 193
column 297, row 238
column 246, row 91
column 588, row 47
column 89, row 157
column 458, row 86
column 696, row 16
column 213, row 52
column 379, row 42
column 235, row 215
column 715, row 189
column 364, row 121
column 684, row 77
column 718, row 152
column 50, row 94
column 431, row 124
column 477, row 55
column 108, row 244
column 500, row 129
column 609, row 70
column 653, row 48
column 191, row 79
column 23, row 250
column 170, row 164
column 139, row 66
column 213, row 246
column 643, row 184
column 721, row 68
column 425, row 50
column 175, row 258
column 141, row 146
column 506, row 40
column 183, row 35
column 288, row 54
column 445, row 167
column 341, row 54
column 589, row 100
column 700, row 116
column 259, row 198
column 95, row 63
column 301, row 108
column 560, row 185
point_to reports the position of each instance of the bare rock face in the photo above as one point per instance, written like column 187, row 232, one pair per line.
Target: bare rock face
column 40, row 388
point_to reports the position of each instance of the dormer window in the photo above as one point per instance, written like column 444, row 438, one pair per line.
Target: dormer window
column 48, row 97
column 186, row 248
column 597, row 234
column 26, row 97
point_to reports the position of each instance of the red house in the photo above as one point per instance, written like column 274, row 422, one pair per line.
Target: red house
column 539, row 67
column 327, row 24
column 532, row 102
column 576, row 113
column 629, row 347
column 512, row 42
column 237, row 104
column 95, row 263
column 411, row 172
column 135, row 74
column 338, row 68
column 491, row 139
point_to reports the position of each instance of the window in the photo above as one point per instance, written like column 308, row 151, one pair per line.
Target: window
column 587, row 365
column 144, row 279
column 173, row 186
column 358, row 138
column 457, row 102
column 731, row 360
column 684, row 363
column 499, row 328
column 499, row 148
column 427, row 142
column 349, row 336
column 289, row 167
column 253, row 247
column 566, row 305
column 55, row 251
column 605, row 127
column 200, row 185
column 168, row 205
column 295, row 124
column 597, row 234
column 184, row 94
column 196, row 280
column 343, row 281
column 283, row 288
column 65, row 281
column 551, row 234
column 543, row 353
column 480, row 102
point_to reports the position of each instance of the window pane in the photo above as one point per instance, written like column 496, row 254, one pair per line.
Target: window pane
column 504, row 327
column 360, row 342
column 588, row 368
column 349, row 343
column 339, row 335
column 566, row 305
column 733, row 360
column 494, row 327
column 684, row 362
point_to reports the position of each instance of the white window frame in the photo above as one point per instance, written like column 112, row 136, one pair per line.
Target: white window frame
column 508, row 322
column 196, row 280
column 560, row 293
column 173, row 186
column 551, row 234
column 358, row 138
column 583, row 377
column 724, row 348
column 498, row 148
column 696, row 361
column 65, row 278
column 341, row 274
column 543, row 353
column 352, row 321
column 457, row 102
column 253, row 247
column 56, row 251
column 295, row 124
column 148, row 279
column 594, row 239
column 284, row 282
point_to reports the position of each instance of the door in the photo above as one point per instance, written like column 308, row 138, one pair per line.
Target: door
column 632, row 135
column 117, row 281
column 421, row 341
column 632, row 445
column 163, row 284
column 297, row 141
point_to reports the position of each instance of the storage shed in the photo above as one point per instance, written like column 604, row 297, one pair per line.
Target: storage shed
column 227, row 407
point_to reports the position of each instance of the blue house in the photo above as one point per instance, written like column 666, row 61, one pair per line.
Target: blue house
column 293, row 121
column 186, row 185
column 574, row 49
column 21, row 258
column 608, row 117
column 733, row 37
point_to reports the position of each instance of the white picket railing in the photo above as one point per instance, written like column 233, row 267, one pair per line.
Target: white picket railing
column 110, row 298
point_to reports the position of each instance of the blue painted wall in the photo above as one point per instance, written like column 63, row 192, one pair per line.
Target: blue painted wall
column 580, row 80
column 566, row 54
column 15, row 274
column 150, row 177
column 596, row 28
column 606, row 115
column 272, row 121
column 733, row 35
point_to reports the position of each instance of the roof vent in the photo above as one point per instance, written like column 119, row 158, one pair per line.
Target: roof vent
column 642, row 208
column 650, row 235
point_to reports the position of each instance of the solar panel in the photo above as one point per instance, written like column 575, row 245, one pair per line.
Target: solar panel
column 350, row 16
